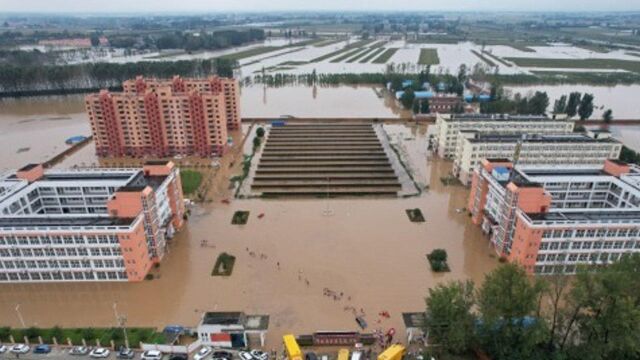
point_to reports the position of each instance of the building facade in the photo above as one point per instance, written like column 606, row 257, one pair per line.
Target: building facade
column 545, row 149
column 163, row 118
column 553, row 220
column 444, row 140
column 87, row 224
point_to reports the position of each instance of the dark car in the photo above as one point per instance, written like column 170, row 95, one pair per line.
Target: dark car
column 222, row 354
column 310, row 356
column 42, row 349
column 125, row 353
column 178, row 357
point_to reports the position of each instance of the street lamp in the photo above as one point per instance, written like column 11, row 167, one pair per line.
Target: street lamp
column 20, row 316
column 121, row 320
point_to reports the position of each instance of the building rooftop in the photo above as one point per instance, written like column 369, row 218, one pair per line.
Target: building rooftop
column 63, row 221
column 537, row 138
column 223, row 318
column 582, row 215
column 505, row 117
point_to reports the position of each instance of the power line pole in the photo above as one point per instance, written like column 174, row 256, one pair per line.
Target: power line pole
column 121, row 320
column 20, row 316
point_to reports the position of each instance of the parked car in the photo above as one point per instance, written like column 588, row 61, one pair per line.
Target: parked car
column 260, row 355
column 3, row 349
column 151, row 355
column 178, row 357
column 203, row 353
column 20, row 349
column 42, row 349
column 245, row 355
column 310, row 356
column 125, row 353
column 222, row 355
column 79, row 350
column 99, row 353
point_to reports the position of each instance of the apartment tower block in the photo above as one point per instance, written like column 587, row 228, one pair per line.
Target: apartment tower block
column 162, row 118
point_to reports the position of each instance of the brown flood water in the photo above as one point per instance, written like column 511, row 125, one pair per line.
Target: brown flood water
column 366, row 249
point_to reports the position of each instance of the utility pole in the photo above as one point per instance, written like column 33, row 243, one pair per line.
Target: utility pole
column 20, row 316
column 121, row 320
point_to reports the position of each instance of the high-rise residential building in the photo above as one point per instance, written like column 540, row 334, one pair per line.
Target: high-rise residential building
column 551, row 219
column 526, row 149
column 87, row 224
column 162, row 118
column 444, row 140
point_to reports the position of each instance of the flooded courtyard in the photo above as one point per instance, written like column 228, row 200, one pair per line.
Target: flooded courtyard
column 365, row 249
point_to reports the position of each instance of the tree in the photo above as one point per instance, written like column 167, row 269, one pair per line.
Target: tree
column 607, row 116
column 95, row 39
column 586, row 106
column 449, row 320
column 260, row 132
column 538, row 103
column 416, row 107
column 508, row 302
column 88, row 334
column 424, row 106
column 608, row 311
column 572, row 104
column 462, row 73
column 256, row 142
column 560, row 105
column 407, row 98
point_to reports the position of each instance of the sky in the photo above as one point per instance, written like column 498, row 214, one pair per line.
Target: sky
column 126, row 6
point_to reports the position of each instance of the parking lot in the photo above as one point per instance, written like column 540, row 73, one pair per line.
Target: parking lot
column 62, row 353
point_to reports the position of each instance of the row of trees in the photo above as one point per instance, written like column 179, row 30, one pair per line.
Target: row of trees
column 206, row 41
column 595, row 315
column 501, row 103
column 574, row 104
column 32, row 79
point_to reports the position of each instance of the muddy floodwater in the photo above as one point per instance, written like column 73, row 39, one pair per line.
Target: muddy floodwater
column 365, row 249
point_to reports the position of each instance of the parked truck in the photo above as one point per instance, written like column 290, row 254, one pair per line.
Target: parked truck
column 291, row 347
column 393, row 352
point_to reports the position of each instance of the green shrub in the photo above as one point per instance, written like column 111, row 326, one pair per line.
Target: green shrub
column 260, row 132
column 439, row 255
column 240, row 218
column 5, row 331
column 224, row 265
column 438, row 260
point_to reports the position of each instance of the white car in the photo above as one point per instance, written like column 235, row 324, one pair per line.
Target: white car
column 245, row 355
column 151, row 355
column 260, row 355
column 99, row 353
column 3, row 349
column 202, row 353
column 20, row 349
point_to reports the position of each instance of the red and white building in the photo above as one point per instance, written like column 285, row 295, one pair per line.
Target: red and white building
column 162, row 118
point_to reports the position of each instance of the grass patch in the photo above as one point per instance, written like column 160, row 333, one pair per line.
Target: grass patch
column 428, row 57
column 328, row 42
column 484, row 58
column 498, row 59
column 522, row 48
column 415, row 215
column 592, row 47
column 348, row 54
column 292, row 63
column 360, row 55
column 250, row 52
column 372, row 55
column 224, row 265
column 357, row 44
column 240, row 217
column 628, row 65
column 105, row 335
column 191, row 181
column 438, row 260
column 385, row 56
